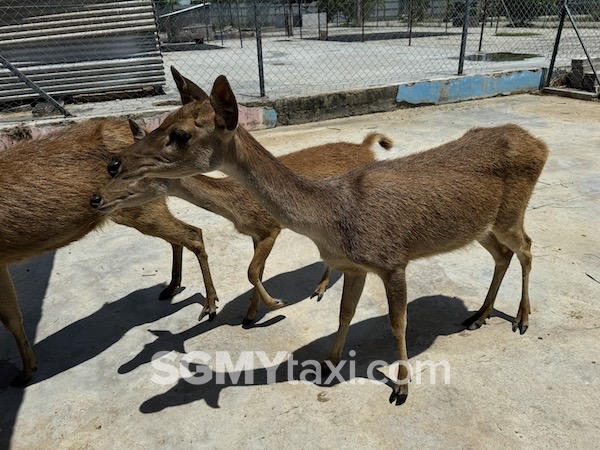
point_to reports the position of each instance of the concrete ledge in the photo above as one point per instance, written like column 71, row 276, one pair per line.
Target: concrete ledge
column 469, row 87
column 331, row 105
column 571, row 93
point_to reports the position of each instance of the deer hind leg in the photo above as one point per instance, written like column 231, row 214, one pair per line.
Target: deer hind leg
column 354, row 283
column 155, row 219
column 11, row 317
column 322, row 286
column 517, row 240
column 262, row 249
column 395, row 288
column 502, row 256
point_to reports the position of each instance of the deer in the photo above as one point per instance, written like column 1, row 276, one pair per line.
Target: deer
column 228, row 198
column 375, row 218
column 44, row 205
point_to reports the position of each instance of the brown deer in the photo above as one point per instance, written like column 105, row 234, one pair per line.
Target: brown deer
column 44, row 205
column 372, row 219
column 228, row 198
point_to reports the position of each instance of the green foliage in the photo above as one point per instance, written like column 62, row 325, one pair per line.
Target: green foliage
column 522, row 12
column 418, row 9
column 348, row 8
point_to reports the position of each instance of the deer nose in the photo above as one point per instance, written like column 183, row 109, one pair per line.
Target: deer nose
column 96, row 200
column 114, row 167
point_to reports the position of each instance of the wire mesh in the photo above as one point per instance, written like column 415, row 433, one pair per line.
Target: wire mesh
column 116, row 52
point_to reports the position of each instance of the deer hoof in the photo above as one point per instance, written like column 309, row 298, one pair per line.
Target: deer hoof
column 167, row 294
column 473, row 322
column 522, row 327
column 212, row 316
column 317, row 294
column 279, row 304
column 22, row 379
column 398, row 398
column 247, row 323
column 205, row 311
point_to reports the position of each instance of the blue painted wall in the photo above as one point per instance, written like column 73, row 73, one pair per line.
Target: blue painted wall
column 469, row 87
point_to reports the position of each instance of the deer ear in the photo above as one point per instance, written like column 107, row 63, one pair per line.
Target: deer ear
column 224, row 103
column 187, row 89
column 137, row 130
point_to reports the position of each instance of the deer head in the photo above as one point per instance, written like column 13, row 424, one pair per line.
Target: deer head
column 194, row 139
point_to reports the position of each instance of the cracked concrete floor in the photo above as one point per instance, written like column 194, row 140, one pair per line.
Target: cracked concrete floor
column 92, row 311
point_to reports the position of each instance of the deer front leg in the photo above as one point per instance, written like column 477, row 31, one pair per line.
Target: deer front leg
column 354, row 282
column 395, row 288
column 155, row 219
column 11, row 317
column 262, row 250
column 322, row 286
column 170, row 291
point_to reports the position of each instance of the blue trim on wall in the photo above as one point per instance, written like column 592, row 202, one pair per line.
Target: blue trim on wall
column 469, row 87
column 269, row 118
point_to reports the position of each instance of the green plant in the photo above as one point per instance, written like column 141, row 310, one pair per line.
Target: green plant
column 350, row 9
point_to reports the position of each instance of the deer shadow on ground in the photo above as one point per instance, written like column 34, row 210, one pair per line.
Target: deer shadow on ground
column 88, row 337
column 371, row 339
column 292, row 287
column 31, row 282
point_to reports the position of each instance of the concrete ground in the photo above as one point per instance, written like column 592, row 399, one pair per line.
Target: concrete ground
column 93, row 313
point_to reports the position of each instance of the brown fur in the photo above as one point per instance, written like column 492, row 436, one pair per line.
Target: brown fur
column 44, row 205
column 375, row 218
column 228, row 198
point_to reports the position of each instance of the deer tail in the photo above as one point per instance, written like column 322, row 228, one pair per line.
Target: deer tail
column 381, row 139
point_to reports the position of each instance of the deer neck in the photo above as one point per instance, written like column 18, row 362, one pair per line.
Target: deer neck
column 217, row 195
column 297, row 203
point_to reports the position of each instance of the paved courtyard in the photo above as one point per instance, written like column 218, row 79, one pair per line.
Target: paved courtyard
column 92, row 312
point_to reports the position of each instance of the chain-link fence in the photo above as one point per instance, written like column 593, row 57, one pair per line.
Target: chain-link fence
column 79, row 51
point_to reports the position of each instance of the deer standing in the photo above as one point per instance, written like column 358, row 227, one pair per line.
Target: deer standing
column 228, row 198
column 372, row 219
column 44, row 205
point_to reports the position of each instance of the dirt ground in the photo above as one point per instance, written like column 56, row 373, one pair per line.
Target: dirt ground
column 93, row 313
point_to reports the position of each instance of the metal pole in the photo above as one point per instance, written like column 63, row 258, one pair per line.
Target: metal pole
column 483, row 23
column 21, row 76
column 220, row 22
column 239, row 25
column 508, row 14
column 581, row 41
column 447, row 12
column 291, row 16
column 259, row 52
column 410, row 22
column 319, row 23
column 362, row 20
column 463, row 42
column 563, row 13
column 300, row 17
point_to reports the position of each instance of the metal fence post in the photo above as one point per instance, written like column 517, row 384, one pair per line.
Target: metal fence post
column 463, row 41
column 587, row 55
column 259, row 52
column 563, row 14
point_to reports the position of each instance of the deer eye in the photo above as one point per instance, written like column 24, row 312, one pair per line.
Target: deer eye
column 179, row 137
